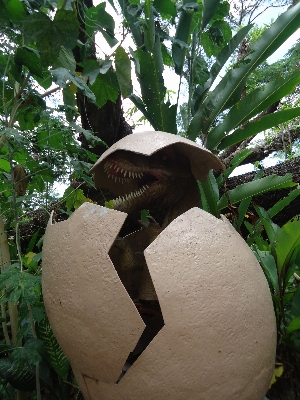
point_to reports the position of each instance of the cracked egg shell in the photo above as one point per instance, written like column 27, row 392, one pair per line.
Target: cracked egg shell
column 219, row 335
column 148, row 143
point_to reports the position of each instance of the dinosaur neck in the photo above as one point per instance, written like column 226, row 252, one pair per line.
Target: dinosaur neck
column 190, row 197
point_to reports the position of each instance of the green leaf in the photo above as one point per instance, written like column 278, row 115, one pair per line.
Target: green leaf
column 30, row 353
column 182, row 34
column 295, row 307
column 210, row 194
column 227, row 51
column 32, row 241
column 263, row 185
column 270, row 40
column 16, row 11
column 293, row 326
column 255, row 102
column 65, row 60
column 131, row 15
column 97, row 19
column 69, row 102
column 61, row 76
column 24, row 377
column 51, row 35
column 4, row 165
column 214, row 39
column 286, row 241
column 221, row 60
column 208, row 11
column 20, row 378
column 123, row 71
column 260, row 125
column 137, row 101
column 21, row 287
column 163, row 115
column 268, row 264
column 166, row 7
column 234, row 163
column 105, row 88
column 281, row 204
column 46, row 81
column 105, row 66
column 91, row 70
column 267, row 223
column 74, row 198
column 242, row 211
column 38, row 313
column 149, row 27
column 244, row 205
column 54, row 353
column 90, row 137
column 30, row 58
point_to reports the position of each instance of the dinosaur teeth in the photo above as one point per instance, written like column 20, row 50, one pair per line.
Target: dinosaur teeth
column 131, row 195
column 127, row 176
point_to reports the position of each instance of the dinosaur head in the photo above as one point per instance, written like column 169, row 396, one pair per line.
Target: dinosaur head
column 153, row 170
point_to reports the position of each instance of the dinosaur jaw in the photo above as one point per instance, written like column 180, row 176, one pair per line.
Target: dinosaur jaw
column 140, row 183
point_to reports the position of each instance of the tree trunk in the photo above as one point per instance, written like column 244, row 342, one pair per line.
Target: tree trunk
column 107, row 122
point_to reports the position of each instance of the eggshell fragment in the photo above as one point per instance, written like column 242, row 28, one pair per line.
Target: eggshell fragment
column 91, row 314
column 219, row 337
column 147, row 143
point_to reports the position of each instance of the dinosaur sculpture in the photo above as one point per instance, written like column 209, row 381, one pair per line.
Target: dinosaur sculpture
column 205, row 328
column 162, row 180
column 157, row 171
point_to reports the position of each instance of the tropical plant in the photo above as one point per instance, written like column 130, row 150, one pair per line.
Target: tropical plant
column 278, row 251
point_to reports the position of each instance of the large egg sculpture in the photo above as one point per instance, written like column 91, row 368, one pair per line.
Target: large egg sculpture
column 218, row 337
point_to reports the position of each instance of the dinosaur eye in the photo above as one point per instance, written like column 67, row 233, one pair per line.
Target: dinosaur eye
column 164, row 158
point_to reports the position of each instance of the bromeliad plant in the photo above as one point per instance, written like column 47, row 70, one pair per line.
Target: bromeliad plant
column 278, row 251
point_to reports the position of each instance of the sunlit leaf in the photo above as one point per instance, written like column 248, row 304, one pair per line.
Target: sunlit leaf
column 286, row 241
column 278, row 371
column 294, row 325
column 123, row 71
column 268, row 264
column 266, row 184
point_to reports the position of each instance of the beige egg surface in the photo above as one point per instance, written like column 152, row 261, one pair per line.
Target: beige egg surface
column 148, row 143
column 218, row 339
